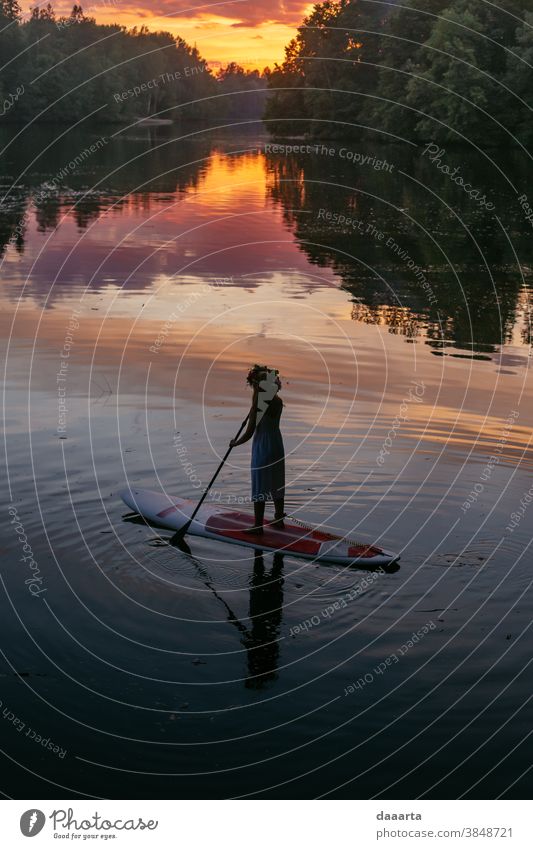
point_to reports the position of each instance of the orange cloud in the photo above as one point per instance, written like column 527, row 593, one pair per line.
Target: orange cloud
column 222, row 31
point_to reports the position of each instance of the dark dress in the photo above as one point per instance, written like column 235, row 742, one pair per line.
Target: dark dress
column 268, row 455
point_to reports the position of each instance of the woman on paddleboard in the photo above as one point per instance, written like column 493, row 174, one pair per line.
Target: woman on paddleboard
column 268, row 453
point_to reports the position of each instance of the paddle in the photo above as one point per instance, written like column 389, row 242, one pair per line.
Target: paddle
column 182, row 531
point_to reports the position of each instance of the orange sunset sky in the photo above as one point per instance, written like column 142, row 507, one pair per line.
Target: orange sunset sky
column 250, row 32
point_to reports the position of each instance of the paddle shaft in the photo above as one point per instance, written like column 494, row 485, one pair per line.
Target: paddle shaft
column 182, row 531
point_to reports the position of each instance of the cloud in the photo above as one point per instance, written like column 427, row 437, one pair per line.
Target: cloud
column 206, row 26
column 240, row 13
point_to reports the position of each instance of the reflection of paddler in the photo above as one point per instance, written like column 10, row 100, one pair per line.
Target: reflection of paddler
column 262, row 637
column 268, row 453
column 265, row 609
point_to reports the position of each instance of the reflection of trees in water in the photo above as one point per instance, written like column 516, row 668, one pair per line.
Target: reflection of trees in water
column 133, row 171
column 464, row 254
column 527, row 334
column 524, row 308
column 398, row 320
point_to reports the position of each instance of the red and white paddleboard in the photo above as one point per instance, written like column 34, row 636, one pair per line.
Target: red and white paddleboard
column 228, row 525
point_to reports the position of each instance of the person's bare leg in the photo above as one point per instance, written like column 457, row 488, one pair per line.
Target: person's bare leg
column 259, row 515
column 279, row 513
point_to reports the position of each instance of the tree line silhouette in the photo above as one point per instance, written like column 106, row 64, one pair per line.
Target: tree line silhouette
column 69, row 68
column 445, row 70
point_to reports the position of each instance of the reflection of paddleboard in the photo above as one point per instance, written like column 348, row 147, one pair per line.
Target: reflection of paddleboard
column 229, row 525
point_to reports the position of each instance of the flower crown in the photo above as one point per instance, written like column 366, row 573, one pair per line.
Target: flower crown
column 258, row 369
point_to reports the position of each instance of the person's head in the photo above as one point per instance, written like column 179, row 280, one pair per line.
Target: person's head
column 259, row 374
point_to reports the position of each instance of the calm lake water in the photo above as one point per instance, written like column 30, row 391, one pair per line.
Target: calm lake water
column 139, row 283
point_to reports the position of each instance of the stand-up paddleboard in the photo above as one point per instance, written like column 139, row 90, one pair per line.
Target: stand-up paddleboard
column 228, row 525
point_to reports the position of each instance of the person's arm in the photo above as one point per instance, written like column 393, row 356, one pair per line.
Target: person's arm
column 250, row 428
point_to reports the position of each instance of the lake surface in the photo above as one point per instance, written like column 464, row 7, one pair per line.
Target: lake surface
column 139, row 283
